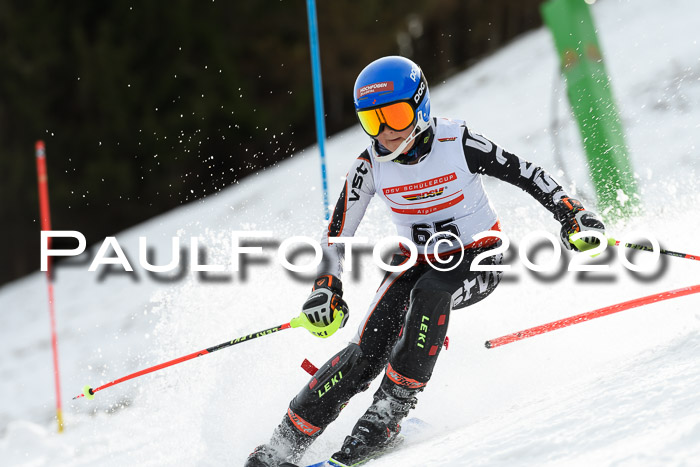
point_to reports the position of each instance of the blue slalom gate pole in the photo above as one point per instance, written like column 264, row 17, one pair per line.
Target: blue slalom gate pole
column 318, row 98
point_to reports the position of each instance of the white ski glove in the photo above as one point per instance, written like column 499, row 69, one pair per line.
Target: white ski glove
column 325, row 311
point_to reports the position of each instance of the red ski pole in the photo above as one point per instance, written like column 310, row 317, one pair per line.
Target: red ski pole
column 89, row 392
column 297, row 322
column 608, row 310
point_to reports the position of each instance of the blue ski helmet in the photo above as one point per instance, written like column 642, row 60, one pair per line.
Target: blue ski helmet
column 392, row 91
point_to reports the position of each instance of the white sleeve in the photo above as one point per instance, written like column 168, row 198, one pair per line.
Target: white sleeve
column 347, row 214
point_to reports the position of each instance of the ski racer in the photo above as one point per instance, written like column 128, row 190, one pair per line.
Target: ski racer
column 428, row 173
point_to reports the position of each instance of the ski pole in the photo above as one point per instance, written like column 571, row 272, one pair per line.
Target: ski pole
column 89, row 392
column 613, row 242
column 300, row 321
column 608, row 310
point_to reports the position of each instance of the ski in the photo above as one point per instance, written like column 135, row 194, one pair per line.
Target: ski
column 409, row 429
column 375, row 455
column 334, row 463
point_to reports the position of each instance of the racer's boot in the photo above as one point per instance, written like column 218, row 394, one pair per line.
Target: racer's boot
column 378, row 429
column 286, row 445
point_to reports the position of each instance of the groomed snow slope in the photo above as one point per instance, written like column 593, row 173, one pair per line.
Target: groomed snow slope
column 620, row 390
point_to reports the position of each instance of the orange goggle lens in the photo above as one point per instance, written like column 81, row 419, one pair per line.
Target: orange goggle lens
column 398, row 117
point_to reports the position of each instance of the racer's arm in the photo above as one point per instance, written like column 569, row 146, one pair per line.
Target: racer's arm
column 485, row 157
column 347, row 214
column 325, row 311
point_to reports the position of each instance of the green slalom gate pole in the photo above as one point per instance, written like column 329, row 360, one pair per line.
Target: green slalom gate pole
column 590, row 96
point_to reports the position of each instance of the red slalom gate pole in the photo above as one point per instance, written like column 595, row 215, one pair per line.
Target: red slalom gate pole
column 45, row 214
column 608, row 310
column 89, row 392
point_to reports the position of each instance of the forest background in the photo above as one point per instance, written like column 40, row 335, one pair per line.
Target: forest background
column 145, row 106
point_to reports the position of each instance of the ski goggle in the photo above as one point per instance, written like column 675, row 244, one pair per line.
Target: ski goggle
column 397, row 116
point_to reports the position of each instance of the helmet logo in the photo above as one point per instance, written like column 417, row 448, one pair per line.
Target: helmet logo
column 414, row 74
column 375, row 87
column 419, row 93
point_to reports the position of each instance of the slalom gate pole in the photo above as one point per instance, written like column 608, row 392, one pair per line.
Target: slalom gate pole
column 608, row 310
column 89, row 392
column 45, row 214
column 318, row 98
column 646, row 248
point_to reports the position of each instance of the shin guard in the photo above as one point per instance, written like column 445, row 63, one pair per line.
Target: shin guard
column 322, row 399
column 416, row 352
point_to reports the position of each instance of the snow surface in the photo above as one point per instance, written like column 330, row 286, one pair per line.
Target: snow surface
column 623, row 390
